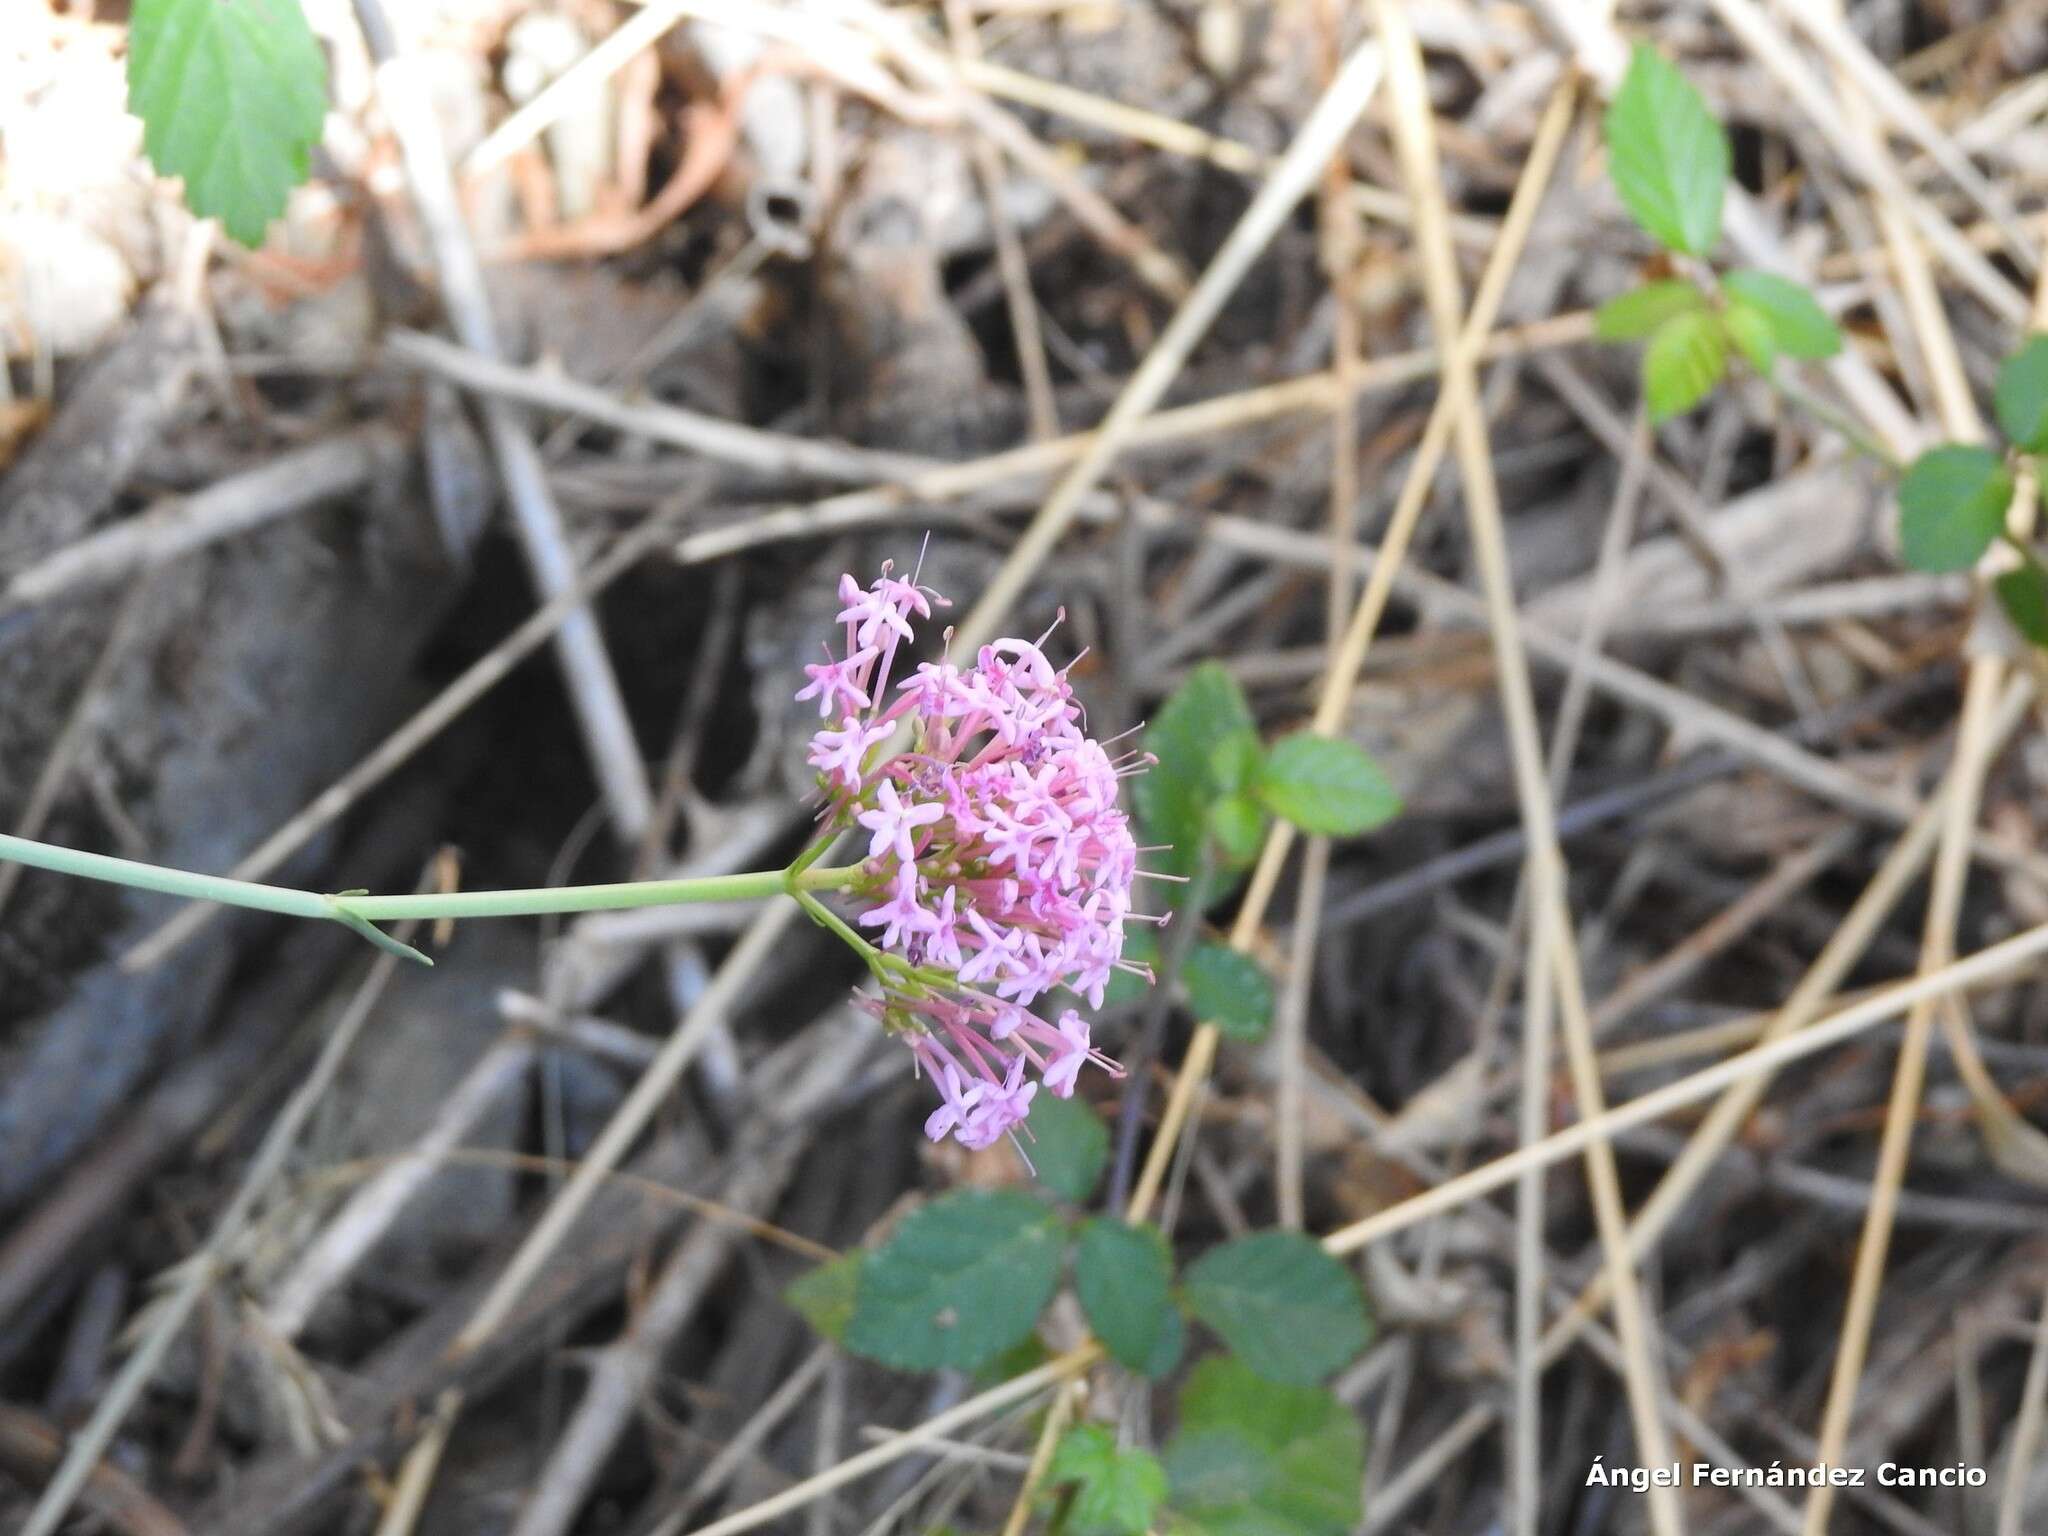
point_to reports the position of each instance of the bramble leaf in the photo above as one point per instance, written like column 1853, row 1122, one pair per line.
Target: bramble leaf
column 1684, row 360
column 1068, row 1144
column 958, row 1283
column 1290, row 1311
column 1254, row 1458
column 232, row 95
column 1124, row 1277
column 1667, row 154
column 1239, row 827
column 1119, row 1491
column 1230, row 990
column 1188, row 736
column 1640, row 311
column 2022, row 396
column 1751, row 333
column 1799, row 326
column 1952, row 504
column 1324, row 785
column 2023, row 594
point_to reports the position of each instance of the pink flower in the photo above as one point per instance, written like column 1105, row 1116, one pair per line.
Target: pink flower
column 839, row 755
column 893, row 822
column 833, row 684
column 900, row 914
column 997, row 852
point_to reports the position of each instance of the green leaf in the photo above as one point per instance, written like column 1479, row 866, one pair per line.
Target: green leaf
column 1124, row 1276
column 1119, row 1492
column 1187, row 737
column 1635, row 314
column 1068, row 1145
column 1798, row 324
column 1752, row 335
column 959, row 1282
column 1026, row 1355
column 1325, row 786
column 1239, row 827
column 1952, row 504
column 1667, row 154
column 2023, row 594
column 1229, row 990
column 1253, row 1458
column 1684, row 360
column 232, row 95
column 1233, row 761
column 2022, row 396
column 824, row 1296
column 1289, row 1310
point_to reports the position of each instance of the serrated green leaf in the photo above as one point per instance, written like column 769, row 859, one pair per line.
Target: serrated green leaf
column 1124, row 1277
column 232, row 95
column 2022, row 396
column 1683, row 362
column 959, row 1282
column 1068, row 1145
column 1798, row 324
column 1667, row 154
column 1751, row 332
column 1174, row 794
column 1229, row 990
column 2023, row 594
column 824, row 1296
column 1325, row 786
column 1952, row 504
column 1639, row 312
column 1254, row 1458
column 1290, row 1311
column 1119, row 1491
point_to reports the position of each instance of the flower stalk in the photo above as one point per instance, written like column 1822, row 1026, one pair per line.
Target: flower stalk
column 358, row 909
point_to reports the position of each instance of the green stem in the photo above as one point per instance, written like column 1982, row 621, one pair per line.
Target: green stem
column 1853, row 434
column 547, row 900
column 167, row 882
column 359, row 911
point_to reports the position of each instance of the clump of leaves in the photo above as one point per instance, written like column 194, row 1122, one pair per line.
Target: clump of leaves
column 1669, row 160
column 232, row 94
column 1211, row 798
column 964, row 1279
column 1668, row 156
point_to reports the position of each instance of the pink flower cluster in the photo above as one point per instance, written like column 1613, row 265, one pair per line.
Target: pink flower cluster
column 997, row 853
